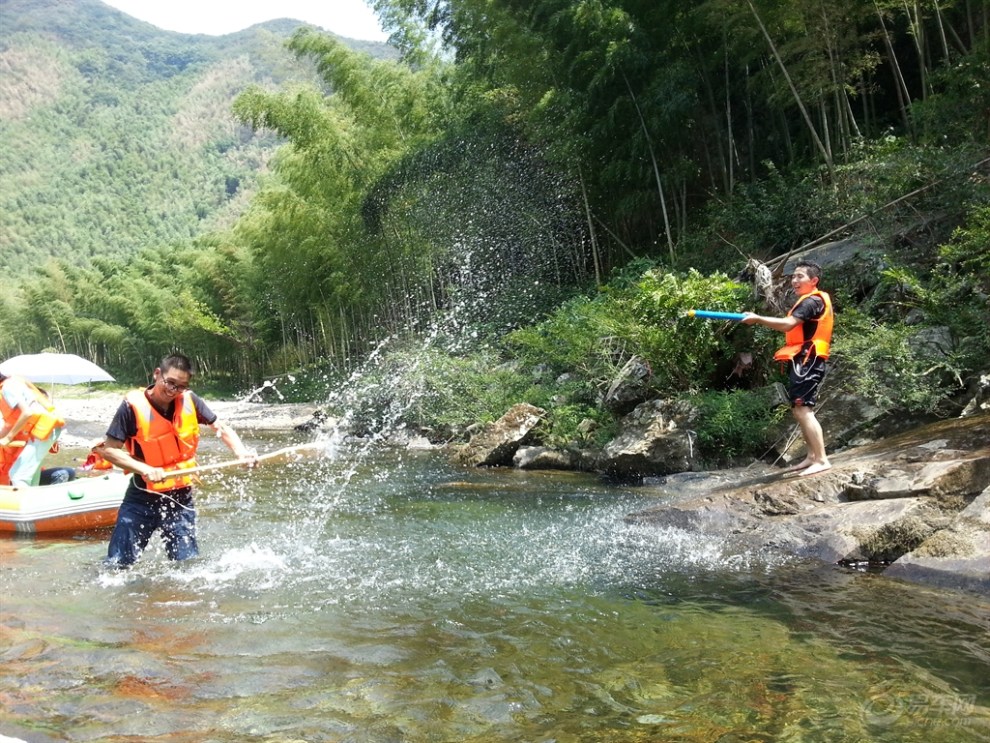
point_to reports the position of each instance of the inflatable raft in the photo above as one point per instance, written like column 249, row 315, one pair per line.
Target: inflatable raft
column 83, row 503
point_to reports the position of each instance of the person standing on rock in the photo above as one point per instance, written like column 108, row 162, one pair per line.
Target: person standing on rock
column 154, row 434
column 808, row 337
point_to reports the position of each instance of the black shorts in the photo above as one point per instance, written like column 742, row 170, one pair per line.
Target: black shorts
column 805, row 379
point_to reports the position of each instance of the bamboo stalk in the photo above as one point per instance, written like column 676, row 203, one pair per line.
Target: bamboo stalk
column 825, row 153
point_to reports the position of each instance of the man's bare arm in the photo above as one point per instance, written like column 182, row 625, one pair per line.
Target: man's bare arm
column 783, row 324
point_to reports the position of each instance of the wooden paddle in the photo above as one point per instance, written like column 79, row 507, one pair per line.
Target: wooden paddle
column 300, row 450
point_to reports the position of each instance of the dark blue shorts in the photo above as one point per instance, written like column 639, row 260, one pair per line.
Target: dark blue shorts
column 805, row 379
column 142, row 514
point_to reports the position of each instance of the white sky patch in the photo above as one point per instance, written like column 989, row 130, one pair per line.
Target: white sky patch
column 353, row 19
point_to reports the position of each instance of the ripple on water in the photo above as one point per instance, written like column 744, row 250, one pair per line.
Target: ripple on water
column 399, row 607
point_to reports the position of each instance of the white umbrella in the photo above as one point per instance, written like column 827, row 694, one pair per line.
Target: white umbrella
column 54, row 368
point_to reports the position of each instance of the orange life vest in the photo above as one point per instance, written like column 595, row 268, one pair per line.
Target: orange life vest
column 169, row 444
column 96, row 462
column 795, row 342
column 39, row 426
column 7, row 456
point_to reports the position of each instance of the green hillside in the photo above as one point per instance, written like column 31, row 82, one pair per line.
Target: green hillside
column 118, row 136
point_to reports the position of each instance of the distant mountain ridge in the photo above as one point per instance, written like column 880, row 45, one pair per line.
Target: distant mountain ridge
column 117, row 136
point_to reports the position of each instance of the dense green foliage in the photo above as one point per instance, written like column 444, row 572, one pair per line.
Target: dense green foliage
column 118, row 136
column 735, row 425
column 661, row 106
column 901, row 364
column 509, row 215
column 647, row 318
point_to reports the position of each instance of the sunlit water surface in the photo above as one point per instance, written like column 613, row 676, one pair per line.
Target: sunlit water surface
column 393, row 597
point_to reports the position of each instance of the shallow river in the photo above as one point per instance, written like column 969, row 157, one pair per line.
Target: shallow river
column 393, row 597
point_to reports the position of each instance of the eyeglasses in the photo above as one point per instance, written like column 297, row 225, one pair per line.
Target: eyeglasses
column 173, row 387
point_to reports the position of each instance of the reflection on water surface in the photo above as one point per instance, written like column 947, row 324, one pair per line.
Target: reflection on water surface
column 399, row 599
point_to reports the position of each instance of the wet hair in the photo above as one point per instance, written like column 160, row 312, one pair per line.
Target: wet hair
column 814, row 271
column 178, row 362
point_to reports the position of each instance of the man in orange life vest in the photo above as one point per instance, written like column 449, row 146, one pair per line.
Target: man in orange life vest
column 29, row 429
column 808, row 337
column 154, row 435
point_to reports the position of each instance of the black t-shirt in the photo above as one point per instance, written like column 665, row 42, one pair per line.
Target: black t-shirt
column 809, row 311
column 124, row 423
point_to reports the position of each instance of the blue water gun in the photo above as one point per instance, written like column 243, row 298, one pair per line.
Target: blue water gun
column 709, row 315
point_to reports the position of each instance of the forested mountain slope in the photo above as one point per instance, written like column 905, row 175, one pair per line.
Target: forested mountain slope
column 547, row 183
column 118, row 136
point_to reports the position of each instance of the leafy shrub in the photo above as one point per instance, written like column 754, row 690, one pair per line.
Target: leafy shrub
column 955, row 295
column 569, row 340
column 565, row 420
column 682, row 350
column 426, row 387
column 735, row 424
column 646, row 317
column 433, row 389
column 961, row 104
column 881, row 363
column 959, row 296
column 966, row 257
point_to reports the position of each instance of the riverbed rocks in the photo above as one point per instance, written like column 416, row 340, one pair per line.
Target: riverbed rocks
column 957, row 556
column 496, row 443
column 918, row 502
column 656, row 438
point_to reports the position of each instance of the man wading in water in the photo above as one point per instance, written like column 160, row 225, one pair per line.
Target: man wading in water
column 154, row 435
column 808, row 336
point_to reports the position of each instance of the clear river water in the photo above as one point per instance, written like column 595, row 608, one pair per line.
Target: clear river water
column 390, row 596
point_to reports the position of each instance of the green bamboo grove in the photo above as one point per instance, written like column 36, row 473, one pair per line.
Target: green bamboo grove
column 510, row 155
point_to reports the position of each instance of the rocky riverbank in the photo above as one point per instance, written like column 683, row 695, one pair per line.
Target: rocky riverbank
column 916, row 503
column 87, row 415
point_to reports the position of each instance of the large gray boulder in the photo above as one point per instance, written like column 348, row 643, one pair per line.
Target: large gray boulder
column 496, row 443
column 656, row 439
column 955, row 557
column 630, row 387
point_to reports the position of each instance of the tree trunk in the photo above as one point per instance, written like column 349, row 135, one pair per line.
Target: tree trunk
column 917, row 25
column 723, row 166
column 591, row 231
column 656, row 170
column 731, row 140
column 797, row 98
column 903, row 95
column 941, row 32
